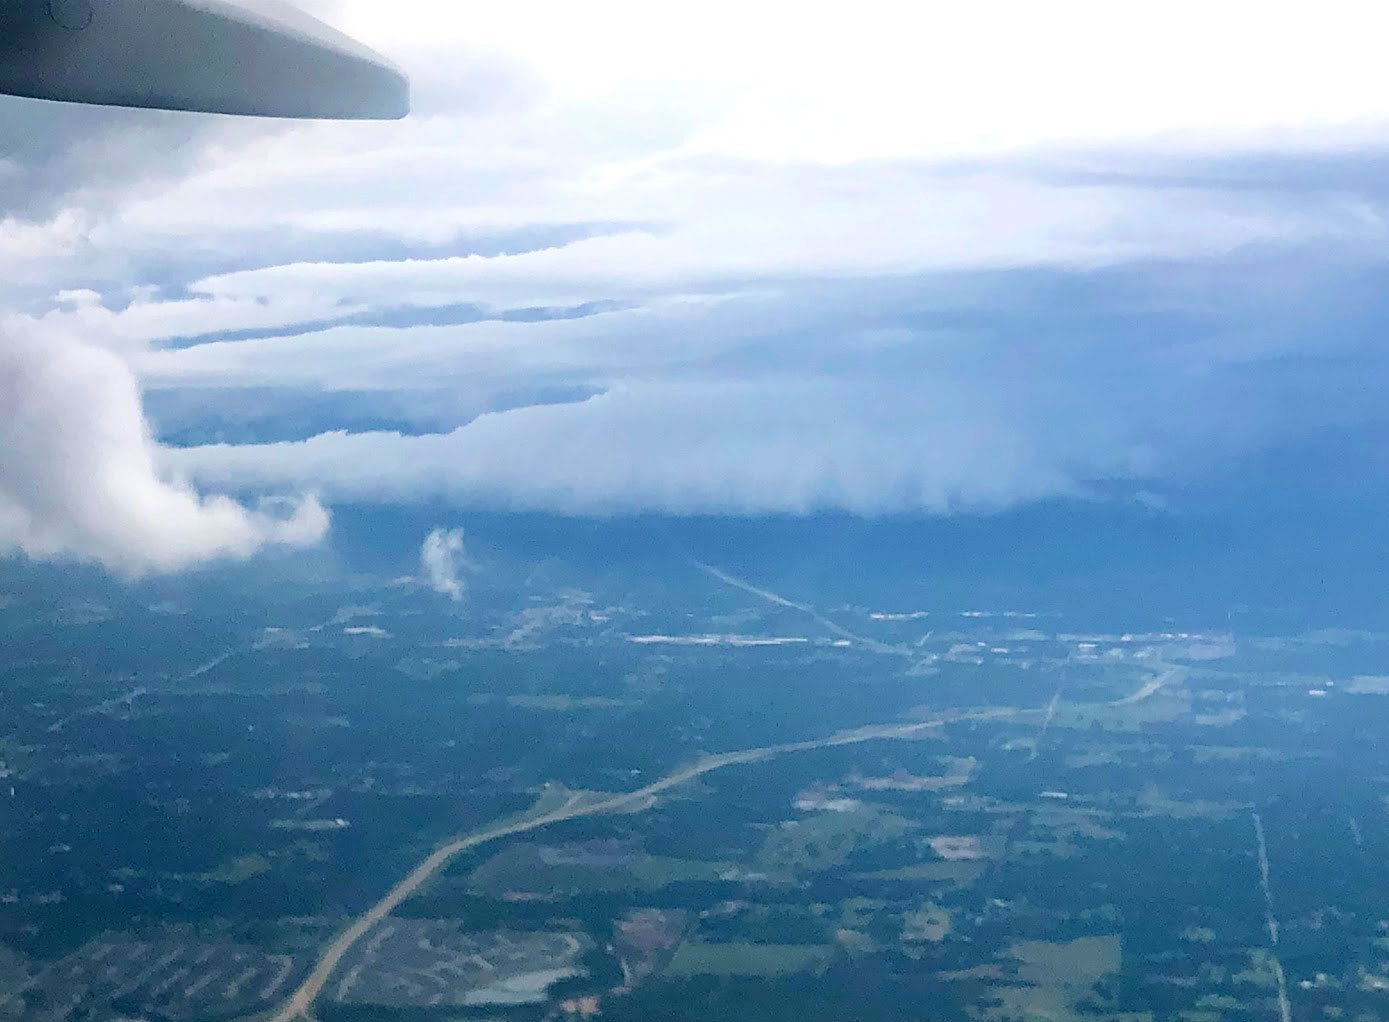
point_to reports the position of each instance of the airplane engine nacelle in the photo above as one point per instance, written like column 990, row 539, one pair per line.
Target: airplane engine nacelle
column 256, row 57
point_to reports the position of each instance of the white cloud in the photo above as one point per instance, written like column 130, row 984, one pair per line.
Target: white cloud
column 743, row 181
column 78, row 477
column 827, row 398
column 493, row 355
column 784, row 80
column 770, row 446
column 441, row 558
column 778, row 225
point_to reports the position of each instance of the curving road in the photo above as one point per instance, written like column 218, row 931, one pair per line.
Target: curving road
column 300, row 1003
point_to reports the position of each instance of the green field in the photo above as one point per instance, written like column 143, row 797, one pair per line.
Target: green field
column 765, row 960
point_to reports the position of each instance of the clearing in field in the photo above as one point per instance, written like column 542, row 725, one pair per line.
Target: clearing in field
column 1045, row 979
column 826, row 840
column 694, row 958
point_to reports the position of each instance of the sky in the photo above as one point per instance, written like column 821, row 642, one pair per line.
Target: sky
column 751, row 258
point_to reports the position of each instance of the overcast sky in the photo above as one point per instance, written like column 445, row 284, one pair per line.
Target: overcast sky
column 726, row 257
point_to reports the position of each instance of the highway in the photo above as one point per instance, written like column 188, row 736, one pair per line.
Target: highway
column 299, row 1005
column 811, row 612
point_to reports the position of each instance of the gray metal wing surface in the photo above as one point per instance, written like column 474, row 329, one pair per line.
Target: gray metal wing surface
column 254, row 57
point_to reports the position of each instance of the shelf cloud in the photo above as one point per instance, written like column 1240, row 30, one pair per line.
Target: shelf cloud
column 628, row 269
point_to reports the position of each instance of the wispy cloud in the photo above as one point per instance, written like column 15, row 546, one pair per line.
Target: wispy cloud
column 441, row 557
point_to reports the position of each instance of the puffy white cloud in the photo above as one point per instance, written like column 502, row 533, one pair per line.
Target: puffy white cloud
column 441, row 557
column 78, row 477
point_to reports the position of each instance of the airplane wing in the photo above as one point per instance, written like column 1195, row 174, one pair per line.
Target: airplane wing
column 257, row 57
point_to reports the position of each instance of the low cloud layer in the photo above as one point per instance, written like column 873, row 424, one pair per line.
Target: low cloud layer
column 971, row 393
column 613, row 267
column 441, row 557
column 78, row 478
